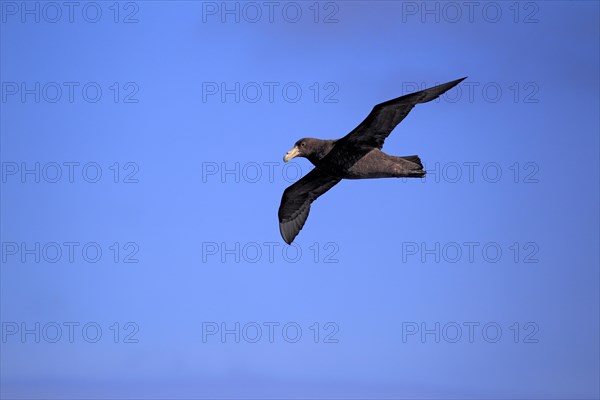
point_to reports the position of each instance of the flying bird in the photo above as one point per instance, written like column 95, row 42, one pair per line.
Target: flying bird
column 357, row 155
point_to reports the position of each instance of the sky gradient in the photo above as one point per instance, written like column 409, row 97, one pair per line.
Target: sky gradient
column 141, row 149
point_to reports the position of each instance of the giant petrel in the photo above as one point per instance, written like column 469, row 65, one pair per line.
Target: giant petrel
column 357, row 155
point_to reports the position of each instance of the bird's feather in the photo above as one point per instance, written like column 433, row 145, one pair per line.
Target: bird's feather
column 384, row 117
column 296, row 201
column 355, row 156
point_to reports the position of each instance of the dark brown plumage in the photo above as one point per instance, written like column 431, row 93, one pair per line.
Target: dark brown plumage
column 357, row 155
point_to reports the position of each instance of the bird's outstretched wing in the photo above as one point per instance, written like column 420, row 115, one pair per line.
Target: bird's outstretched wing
column 296, row 200
column 386, row 116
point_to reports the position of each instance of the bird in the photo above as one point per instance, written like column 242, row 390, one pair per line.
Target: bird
column 357, row 155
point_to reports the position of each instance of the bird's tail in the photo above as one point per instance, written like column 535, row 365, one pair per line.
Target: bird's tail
column 417, row 171
column 414, row 159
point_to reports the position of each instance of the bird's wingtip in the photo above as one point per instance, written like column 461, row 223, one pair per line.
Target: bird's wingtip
column 285, row 234
column 454, row 82
column 287, row 239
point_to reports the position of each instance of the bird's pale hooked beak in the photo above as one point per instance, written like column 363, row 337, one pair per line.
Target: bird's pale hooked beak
column 291, row 154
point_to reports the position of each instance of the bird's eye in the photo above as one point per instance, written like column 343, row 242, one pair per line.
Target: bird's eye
column 302, row 144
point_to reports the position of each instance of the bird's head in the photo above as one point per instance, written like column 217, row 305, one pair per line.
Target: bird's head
column 305, row 147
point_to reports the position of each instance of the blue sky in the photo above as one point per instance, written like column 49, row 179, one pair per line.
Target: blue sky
column 141, row 150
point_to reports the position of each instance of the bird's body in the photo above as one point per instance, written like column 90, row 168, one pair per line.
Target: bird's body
column 377, row 164
column 357, row 155
column 371, row 164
